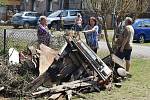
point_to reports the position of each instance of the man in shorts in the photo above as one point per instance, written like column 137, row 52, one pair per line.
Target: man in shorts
column 125, row 43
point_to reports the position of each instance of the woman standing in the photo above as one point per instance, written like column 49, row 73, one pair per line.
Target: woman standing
column 43, row 33
column 91, row 33
column 78, row 25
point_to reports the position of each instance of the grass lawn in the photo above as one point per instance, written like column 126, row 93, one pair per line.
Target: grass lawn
column 136, row 88
column 146, row 44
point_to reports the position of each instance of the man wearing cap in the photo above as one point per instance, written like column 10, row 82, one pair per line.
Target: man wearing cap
column 125, row 45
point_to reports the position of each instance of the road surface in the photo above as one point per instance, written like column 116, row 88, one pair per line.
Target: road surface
column 138, row 50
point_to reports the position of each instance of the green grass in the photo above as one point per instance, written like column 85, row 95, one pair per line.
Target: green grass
column 146, row 44
column 19, row 45
column 136, row 88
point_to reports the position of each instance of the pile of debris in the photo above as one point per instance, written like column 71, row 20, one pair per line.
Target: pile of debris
column 13, row 78
column 75, row 69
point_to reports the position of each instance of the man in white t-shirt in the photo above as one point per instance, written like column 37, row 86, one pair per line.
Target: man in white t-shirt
column 125, row 43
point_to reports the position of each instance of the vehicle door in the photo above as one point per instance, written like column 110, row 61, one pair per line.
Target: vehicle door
column 64, row 17
column 138, row 28
column 146, row 29
column 17, row 19
column 30, row 18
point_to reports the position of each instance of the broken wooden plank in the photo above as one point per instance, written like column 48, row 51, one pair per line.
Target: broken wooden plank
column 67, row 86
column 1, row 88
column 117, row 60
column 61, row 88
column 69, row 94
column 47, row 56
column 42, row 79
column 54, row 96
column 62, row 97
column 113, row 58
column 37, row 82
column 79, row 94
column 32, row 50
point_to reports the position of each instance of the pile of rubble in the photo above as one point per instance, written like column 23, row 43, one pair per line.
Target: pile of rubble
column 75, row 69
column 13, row 78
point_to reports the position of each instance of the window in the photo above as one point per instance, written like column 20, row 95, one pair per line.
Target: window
column 28, row 14
column 35, row 14
column 73, row 13
column 140, row 24
column 64, row 13
column 146, row 23
column 55, row 14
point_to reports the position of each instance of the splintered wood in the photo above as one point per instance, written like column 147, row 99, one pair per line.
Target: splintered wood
column 67, row 86
column 118, row 60
column 47, row 56
column 73, row 70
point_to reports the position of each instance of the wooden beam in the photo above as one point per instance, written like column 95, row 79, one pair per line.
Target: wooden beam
column 66, row 86
column 69, row 94
column 118, row 61
column 79, row 94
column 1, row 88
column 37, row 82
column 54, row 96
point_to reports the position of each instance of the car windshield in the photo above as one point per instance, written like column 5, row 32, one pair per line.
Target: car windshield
column 55, row 14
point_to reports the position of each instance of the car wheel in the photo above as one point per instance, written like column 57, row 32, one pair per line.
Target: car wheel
column 15, row 26
column 141, row 39
column 26, row 25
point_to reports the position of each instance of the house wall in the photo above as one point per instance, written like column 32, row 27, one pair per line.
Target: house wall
column 10, row 2
column 75, row 4
column 8, row 8
column 55, row 5
column 44, row 6
column 2, row 13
